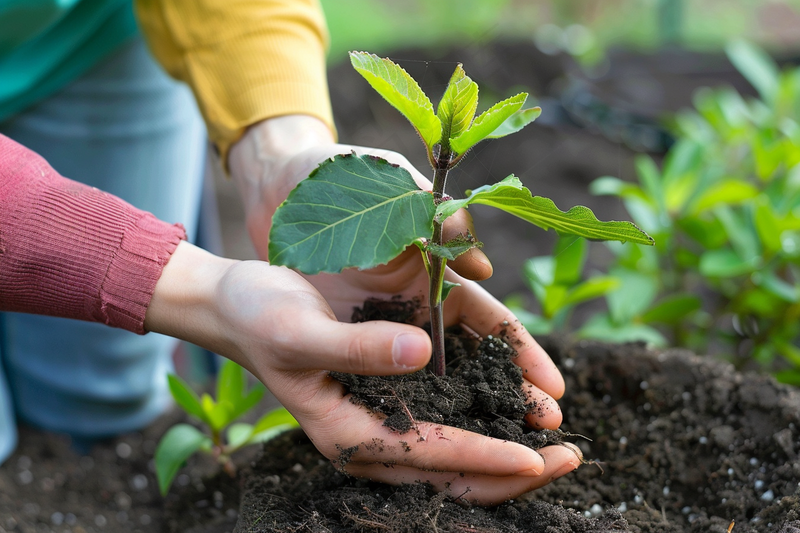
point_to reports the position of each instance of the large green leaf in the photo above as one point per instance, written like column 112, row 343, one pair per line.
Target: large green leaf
column 672, row 309
column 458, row 105
column 177, row 445
column 400, row 90
column 487, row 123
column 511, row 196
column 352, row 211
column 730, row 191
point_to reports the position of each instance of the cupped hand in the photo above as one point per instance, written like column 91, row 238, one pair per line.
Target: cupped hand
column 274, row 323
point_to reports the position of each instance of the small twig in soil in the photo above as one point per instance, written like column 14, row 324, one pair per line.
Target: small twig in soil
column 730, row 526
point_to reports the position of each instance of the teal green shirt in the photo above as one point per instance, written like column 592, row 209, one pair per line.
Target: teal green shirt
column 45, row 44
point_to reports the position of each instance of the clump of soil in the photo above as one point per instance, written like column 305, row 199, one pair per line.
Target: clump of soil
column 679, row 443
column 482, row 391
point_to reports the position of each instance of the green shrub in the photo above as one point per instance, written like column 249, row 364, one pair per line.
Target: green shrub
column 724, row 209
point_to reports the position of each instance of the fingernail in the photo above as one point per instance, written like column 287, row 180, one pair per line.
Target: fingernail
column 574, row 449
column 537, row 467
column 405, row 350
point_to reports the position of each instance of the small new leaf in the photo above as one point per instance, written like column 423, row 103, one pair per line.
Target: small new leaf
column 458, row 105
column 448, row 286
column 512, row 197
column 352, row 211
column 486, row 124
column 402, row 91
column 454, row 247
column 516, row 122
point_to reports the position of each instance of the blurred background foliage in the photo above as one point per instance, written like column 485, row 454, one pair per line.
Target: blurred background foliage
column 585, row 29
column 693, row 110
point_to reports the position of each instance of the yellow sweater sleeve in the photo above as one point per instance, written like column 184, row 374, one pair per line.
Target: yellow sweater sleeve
column 245, row 60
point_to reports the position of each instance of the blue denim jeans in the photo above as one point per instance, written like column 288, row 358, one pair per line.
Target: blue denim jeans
column 124, row 127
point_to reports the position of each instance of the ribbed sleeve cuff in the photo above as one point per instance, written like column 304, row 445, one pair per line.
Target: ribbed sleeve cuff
column 73, row 251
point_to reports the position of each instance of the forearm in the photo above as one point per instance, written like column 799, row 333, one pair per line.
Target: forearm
column 73, row 251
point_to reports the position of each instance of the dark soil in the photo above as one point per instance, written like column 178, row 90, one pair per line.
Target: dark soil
column 678, row 443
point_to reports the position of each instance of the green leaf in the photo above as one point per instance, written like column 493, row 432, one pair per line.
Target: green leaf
column 230, row 382
column 633, row 296
column 539, row 273
column 271, row 424
column 248, row 401
column 448, row 286
column 239, row 434
column 590, row 289
column 570, row 256
column 729, row 192
column 454, row 247
column 767, row 226
column 650, row 178
column 609, row 185
column 510, row 196
column 186, row 397
column 276, row 417
column 600, row 327
column 458, row 105
column 177, row 445
column 402, row 91
column 352, row 211
column 755, row 65
column 553, row 300
column 709, row 232
column 487, row 123
column 773, row 284
column 672, row 309
column 217, row 413
column 726, row 263
column 516, row 122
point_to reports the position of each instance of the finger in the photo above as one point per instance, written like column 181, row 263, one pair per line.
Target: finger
column 473, row 306
column 545, row 412
column 473, row 264
column 434, row 447
column 477, row 488
column 368, row 348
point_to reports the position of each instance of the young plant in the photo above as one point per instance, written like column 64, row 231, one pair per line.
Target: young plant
column 724, row 207
column 361, row 211
column 557, row 282
column 233, row 400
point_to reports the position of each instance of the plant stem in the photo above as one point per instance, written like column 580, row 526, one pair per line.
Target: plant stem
column 438, row 265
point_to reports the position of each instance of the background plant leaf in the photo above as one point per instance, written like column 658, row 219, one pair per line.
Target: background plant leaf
column 177, row 445
column 511, row 196
column 352, row 211
column 401, row 90
column 186, row 397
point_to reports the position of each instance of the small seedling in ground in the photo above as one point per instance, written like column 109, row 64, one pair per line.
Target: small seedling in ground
column 361, row 211
column 233, row 400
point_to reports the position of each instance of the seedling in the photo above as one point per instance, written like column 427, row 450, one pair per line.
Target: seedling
column 233, row 400
column 361, row 211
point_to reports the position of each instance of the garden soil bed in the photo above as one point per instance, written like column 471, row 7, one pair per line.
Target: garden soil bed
column 677, row 443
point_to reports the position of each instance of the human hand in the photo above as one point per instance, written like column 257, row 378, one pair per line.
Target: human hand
column 275, row 155
column 261, row 316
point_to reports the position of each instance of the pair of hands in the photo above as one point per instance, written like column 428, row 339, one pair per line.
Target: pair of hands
column 290, row 332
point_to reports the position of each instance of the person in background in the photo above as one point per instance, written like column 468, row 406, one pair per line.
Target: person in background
column 114, row 120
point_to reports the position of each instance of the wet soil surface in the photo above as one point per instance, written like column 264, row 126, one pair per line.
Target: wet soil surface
column 678, row 443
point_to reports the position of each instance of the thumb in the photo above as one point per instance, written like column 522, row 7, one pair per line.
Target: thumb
column 368, row 348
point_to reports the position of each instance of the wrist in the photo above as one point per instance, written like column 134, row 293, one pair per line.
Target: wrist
column 184, row 303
